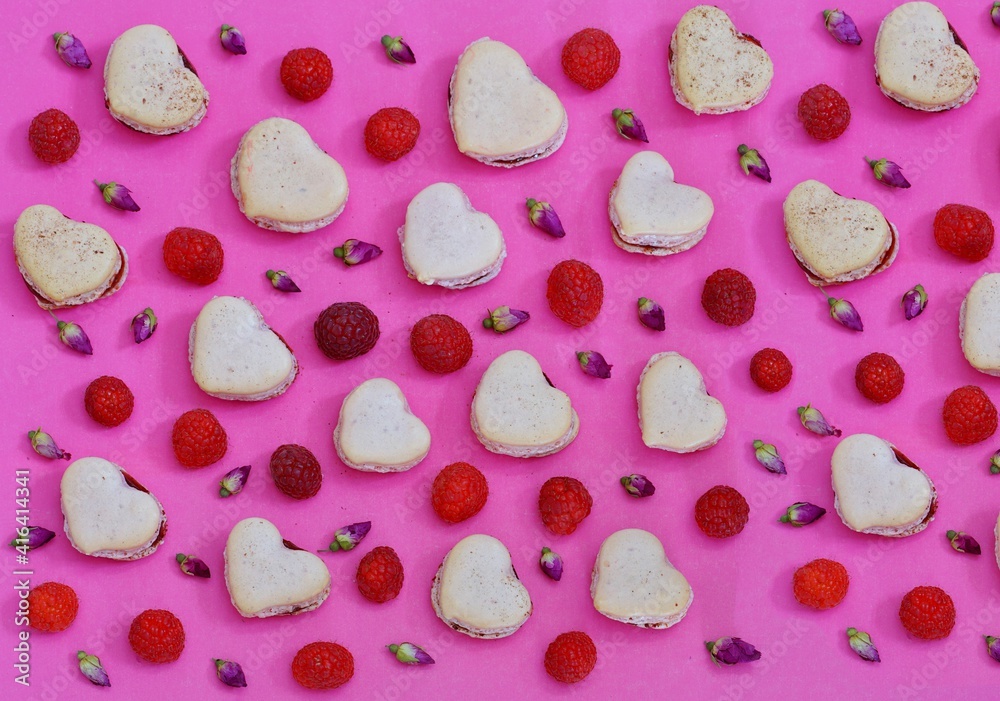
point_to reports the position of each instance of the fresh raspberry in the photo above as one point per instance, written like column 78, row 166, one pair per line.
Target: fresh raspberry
column 964, row 231
column 391, row 133
column 323, row 666
column 346, row 330
column 199, row 439
column 296, row 471
column 570, row 657
column 52, row 607
column 824, row 112
column 459, row 492
column 969, row 415
column 927, row 613
column 157, row 636
column 590, row 58
column 53, row 136
column 575, row 292
column 563, row 503
column 440, row 344
column 193, row 254
column 770, row 369
column 821, row 584
column 380, row 575
column 879, row 377
column 108, row 400
column 728, row 297
column 721, row 512
column 306, row 73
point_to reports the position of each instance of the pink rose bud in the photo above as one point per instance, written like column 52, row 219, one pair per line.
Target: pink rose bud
column 628, row 125
column 551, row 564
column 888, row 172
column 398, row 50
column 862, row 644
column 71, row 50
column 234, row 42
column 841, row 27
column 651, row 314
column 753, row 163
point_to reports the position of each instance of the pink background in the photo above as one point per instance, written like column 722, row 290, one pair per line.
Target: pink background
column 742, row 586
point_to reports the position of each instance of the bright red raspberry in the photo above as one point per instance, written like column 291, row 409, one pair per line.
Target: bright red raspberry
column 323, row 666
column 459, row 492
column 380, row 575
column 563, row 503
column 820, row 584
column 296, row 471
column 927, row 613
column 157, row 636
column 590, row 58
column 53, row 136
column 199, row 439
column 964, row 231
column 728, row 297
column 721, row 512
column 306, row 73
column 571, row 657
column 969, row 415
column 52, row 607
column 824, row 112
column 440, row 344
column 879, row 377
column 108, row 400
column 391, row 133
column 770, row 369
column 346, row 330
column 575, row 292
column 193, row 254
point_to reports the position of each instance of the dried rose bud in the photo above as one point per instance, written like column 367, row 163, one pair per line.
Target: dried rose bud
column 234, row 481
column 993, row 647
column 234, row 42
column 888, row 172
column 91, row 667
column 914, row 302
column 767, row 455
column 844, row 313
column 730, row 651
column 637, row 486
column 862, row 644
column 963, row 542
column 594, row 364
column 841, row 27
column 503, row 319
column 73, row 336
column 34, row 538
column 193, row 566
column 281, row 281
column 628, row 125
column 995, row 463
column 802, row 513
column 753, row 163
column 71, row 50
column 43, row 444
column 551, row 564
column 118, row 196
column 544, row 217
column 143, row 325
column 230, row 673
column 355, row 252
column 398, row 50
column 348, row 537
column 814, row 421
column 408, row 653
column 651, row 314
column 995, row 13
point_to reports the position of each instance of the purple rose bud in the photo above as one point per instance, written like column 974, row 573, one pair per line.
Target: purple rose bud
column 118, row 196
column 995, row 463
column 914, row 302
column 91, row 667
column 992, row 642
column 74, row 336
column 814, row 421
column 408, row 653
column 964, row 543
column 43, row 444
column 193, row 566
column 594, row 364
column 628, row 125
column 230, row 673
column 234, row 42
column 802, row 513
column 143, row 325
column 355, row 252
column 651, row 314
column 752, row 162
column 995, row 13
column 71, row 50
column 281, row 281
column 730, row 651
column 503, row 319
column 841, row 27
column 767, row 455
column 398, row 50
column 234, row 481
column 862, row 644
column 888, row 172
column 552, row 564
column 544, row 217
column 844, row 313
column 32, row 537
column 638, row 486
column 348, row 537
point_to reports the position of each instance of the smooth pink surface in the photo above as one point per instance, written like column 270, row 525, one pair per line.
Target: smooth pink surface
column 742, row 586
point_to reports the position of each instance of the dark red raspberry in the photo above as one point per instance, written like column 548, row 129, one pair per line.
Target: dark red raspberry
column 721, row 512
column 296, row 471
column 380, row 575
column 770, row 369
column 728, row 297
column 879, row 377
column 346, row 330
column 440, row 344
column 575, row 292
column 563, row 503
column 53, row 136
column 964, row 231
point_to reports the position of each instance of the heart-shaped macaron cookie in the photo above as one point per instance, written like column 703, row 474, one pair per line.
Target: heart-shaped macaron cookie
column 268, row 576
column 284, row 181
column 651, row 213
column 517, row 411
column 979, row 324
column 634, row 582
column 66, row 262
column 149, row 84
column 377, row 432
column 878, row 489
column 446, row 242
column 836, row 239
column 235, row 355
column 477, row 592
column 108, row 513
column 676, row 413
column 714, row 69
column 920, row 62
column 501, row 114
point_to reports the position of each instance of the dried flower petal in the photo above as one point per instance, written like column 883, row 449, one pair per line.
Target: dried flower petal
column 628, row 125
column 862, row 644
column 841, row 27
column 543, row 216
column 348, row 537
column 552, row 564
column 234, row 481
column 118, row 196
column 73, row 336
column 638, row 486
column 814, row 421
column 503, row 319
column 888, row 172
column 398, row 50
column 767, row 455
column 844, row 313
column 91, row 667
column 753, row 163
column 995, row 13
column 143, row 325
column 963, row 542
column 993, row 646
column 71, row 50
column 281, row 281
column 234, row 42
column 914, row 302
column 193, row 566
column 355, row 252
column 651, row 314
column 730, row 651
column 43, row 444
column 594, row 364
column 802, row 513
column 408, row 653
column 33, row 538
column 230, row 673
